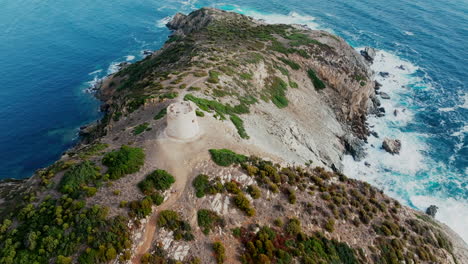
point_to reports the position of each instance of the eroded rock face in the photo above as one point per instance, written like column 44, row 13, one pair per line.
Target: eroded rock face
column 392, row 146
column 369, row 54
column 355, row 147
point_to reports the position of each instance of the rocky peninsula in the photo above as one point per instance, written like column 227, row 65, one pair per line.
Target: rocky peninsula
column 224, row 146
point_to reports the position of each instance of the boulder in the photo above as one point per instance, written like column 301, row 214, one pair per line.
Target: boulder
column 368, row 54
column 392, row 146
column 384, row 95
column 377, row 85
column 432, row 210
column 355, row 147
column 384, row 74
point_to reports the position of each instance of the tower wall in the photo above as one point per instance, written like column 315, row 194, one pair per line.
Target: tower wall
column 182, row 120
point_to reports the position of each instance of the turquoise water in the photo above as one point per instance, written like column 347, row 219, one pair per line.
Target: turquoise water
column 51, row 52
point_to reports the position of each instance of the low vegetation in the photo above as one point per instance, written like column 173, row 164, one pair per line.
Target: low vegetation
column 219, row 252
column 159, row 180
column 124, row 161
column 226, row 157
column 171, row 221
column 318, row 84
column 141, row 128
column 81, row 179
column 208, row 220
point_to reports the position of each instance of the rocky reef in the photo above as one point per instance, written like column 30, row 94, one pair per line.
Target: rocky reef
column 260, row 117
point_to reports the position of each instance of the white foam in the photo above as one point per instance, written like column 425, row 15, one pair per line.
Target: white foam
column 95, row 72
column 129, row 57
column 161, row 23
column 408, row 33
column 113, row 68
column 452, row 212
column 272, row 18
column 407, row 175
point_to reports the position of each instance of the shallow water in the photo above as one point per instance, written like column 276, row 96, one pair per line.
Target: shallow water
column 51, row 52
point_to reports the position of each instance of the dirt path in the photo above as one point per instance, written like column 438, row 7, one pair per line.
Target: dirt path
column 177, row 158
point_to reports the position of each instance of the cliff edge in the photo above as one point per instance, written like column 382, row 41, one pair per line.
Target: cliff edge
column 224, row 146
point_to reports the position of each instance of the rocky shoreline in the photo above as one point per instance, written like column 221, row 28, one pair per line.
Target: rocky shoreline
column 287, row 97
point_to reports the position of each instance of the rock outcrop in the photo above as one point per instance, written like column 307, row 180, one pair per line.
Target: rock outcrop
column 369, row 54
column 432, row 210
column 392, row 146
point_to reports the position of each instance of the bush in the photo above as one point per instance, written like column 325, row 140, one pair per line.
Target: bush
column 219, row 251
column 318, row 84
column 141, row 209
column 74, row 181
column 254, row 191
column 290, row 63
column 226, row 157
column 168, row 219
column 293, row 227
column 160, row 114
column 330, row 225
column 207, row 219
column 213, row 77
column 232, row 187
column 239, row 124
column 244, row 204
column 127, row 160
column 201, row 184
column 159, row 180
column 141, row 128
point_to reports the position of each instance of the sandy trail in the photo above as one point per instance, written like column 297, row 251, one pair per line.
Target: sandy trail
column 178, row 158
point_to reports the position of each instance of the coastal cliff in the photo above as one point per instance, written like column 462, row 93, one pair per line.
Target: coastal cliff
column 277, row 107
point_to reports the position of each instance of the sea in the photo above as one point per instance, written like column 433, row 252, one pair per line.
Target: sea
column 52, row 52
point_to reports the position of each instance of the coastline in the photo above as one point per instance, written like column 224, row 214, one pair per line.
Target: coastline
column 96, row 130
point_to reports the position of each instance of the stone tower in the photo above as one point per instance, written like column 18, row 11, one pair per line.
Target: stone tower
column 182, row 120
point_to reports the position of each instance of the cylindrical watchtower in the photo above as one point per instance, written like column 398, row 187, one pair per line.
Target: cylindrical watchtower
column 182, row 120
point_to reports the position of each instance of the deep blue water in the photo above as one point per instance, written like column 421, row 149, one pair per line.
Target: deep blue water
column 50, row 51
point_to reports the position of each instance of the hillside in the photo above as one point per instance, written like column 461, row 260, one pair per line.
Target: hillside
column 277, row 107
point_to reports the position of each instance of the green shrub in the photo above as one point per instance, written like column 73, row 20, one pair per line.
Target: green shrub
column 140, row 128
column 140, row 208
column 199, row 113
column 157, row 198
column 74, row 181
column 207, row 220
column 318, row 84
column 168, row 219
column 160, row 114
column 92, row 150
column 171, row 95
column 330, row 225
column 232, row 187
column 239, row 124
column 244, row 204
column 290, row 63
column 124, row 161
column 219, row 251
column 159, row 180
column 254, row 191
column 201, row 184
column 226, row 157
column 213, row 77
column 277, row 91
column 293, row 227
